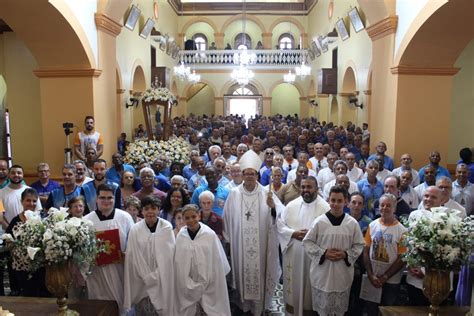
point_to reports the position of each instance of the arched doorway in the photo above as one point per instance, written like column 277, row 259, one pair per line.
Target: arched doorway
column 334, row 113
column 243, row 100
column 138, row 86
column 349, row 111
column 285, row 100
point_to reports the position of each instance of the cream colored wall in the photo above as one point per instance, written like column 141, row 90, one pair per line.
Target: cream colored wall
column 462, row 111
column 23, row 101
column 282, row 28
column 235, row 28
column 285, row 100
column 202, row 102
column 356, row 51
column 201, row 27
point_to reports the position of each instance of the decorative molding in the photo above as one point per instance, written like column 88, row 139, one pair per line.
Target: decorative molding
column 424, row 71
column 120, row 91
column 383, row 27
column 346, row 94
column 218, row 98
column 267, row 98
column 67, row 73
column 269, row 34
column 219, row 34
column 183, row 99
column 367, row 92
column 320, row 95
column 303, row 98
column 106, row 24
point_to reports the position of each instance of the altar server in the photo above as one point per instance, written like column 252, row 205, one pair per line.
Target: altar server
column 200, row 269
column 149, row 282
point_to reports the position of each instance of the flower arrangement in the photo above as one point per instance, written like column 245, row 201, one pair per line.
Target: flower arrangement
column 52, row 240
column 159, row 94
column 176, row 150
column 442, row 241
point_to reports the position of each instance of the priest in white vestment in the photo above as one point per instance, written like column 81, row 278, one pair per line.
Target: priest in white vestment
column 149, row 269
column 333, row 243
column 200, row 268
column 106, row 281
column 293, row 224
column 250, row 228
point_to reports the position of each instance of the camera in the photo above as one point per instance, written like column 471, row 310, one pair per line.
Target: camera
column 67, row 128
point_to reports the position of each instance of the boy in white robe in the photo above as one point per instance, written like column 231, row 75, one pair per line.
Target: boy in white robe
column 149, row 272
column 333, row 243
column 106, row 281
column 200, row 268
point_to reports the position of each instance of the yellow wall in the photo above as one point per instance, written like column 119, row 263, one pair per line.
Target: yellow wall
column 282, row 28
column 201, row 27
column 23, row 101
column 202, row 102
column 462, row 111
column 285, row 100
column 235, row 28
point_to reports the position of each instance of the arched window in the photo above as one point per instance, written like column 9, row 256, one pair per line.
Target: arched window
column 286, row 41
column 243, row 41
column 243, row 91
column 201, row 41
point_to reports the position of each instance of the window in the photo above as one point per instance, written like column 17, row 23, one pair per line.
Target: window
column 201, row 41
column 243, row 91
column 286, row 41
column 243, row 41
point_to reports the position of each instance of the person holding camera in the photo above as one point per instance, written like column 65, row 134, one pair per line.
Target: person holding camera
column 88, row 138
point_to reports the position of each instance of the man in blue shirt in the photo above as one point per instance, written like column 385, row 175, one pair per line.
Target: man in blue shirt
column 220, row 193
column 44, row 185
column 435, row 158
column 381, row 149
column 371, row 188
column 115, row 172
column 60, row 196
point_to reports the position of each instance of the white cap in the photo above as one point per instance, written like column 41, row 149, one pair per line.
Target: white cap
column 250, row 160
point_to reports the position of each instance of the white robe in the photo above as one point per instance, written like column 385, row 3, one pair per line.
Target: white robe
column 297, row 215
column 253, row 247
column 149, row 266
column 331, row 281
column 106, row 282
column 200, row 269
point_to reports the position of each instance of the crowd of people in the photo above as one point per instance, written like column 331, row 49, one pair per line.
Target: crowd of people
column 263, row 201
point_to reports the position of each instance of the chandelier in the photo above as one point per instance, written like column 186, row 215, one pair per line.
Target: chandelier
column 194, row 78
column 181, row 71
column 244, row 58
column 289, row 77
column 242, row 75
column 302, row 70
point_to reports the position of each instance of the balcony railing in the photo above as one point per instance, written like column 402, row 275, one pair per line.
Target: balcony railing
column 266, row 59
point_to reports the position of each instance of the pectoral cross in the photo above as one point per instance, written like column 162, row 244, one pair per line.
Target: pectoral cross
column 248, row 214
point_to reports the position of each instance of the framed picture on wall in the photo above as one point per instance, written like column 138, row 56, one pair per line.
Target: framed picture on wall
column 355, row 20
column 175, row 52
column 315, row 48
column 132, row 18
column 171, row 45
column 164, row 42
column 341, row 29
column 146, row 30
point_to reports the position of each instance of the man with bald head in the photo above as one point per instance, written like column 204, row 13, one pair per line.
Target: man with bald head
column 445, row 185
column 318, row 161
column 386, row 160
column 406, row 190
column 429, row 180
column 405, row 165
column 434, row 158
column 392, row 185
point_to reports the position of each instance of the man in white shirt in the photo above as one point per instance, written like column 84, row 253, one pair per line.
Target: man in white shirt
column 326, row 175
column 302, row 161
column 445, row 185
column 463, row 190
column 340, row 167
column 353, row 172
column 318, row 162
column 88, row 138
column 405, row 162
column 236, row 175
column 10, row 196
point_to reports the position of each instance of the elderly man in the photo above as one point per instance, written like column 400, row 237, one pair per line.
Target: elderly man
column 405, row 162
column 406, row 190
column 277, row 162
column 250, row 228
column 147, row 177
column 81, row 170
column 318, row 162
column 289, row 161
column 445, row 186
column 60, row 196
column 434, row 158
column 429, row 180
column 114, row 173
column 214, row 152
column 212, row 185
column 463, row 190
column 303, row 159
column 353, row 172
column 178, row 182
column 392, row 185
column 293, row 224
column 387, row 161
column 267, row 161
column 340, row 167
column 236, row 175
column 220, row 164
column 371, row 188
column 44, row 185
column 326, row 175
column 291, row 190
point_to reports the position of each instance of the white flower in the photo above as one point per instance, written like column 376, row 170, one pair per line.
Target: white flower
column 8, row 237
column 76, row 222
column 32, row 252
column 32, row 218
column 48, row 234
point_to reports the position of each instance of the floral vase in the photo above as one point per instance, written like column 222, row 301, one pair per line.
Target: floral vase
column 58, row 279
column 436, row 287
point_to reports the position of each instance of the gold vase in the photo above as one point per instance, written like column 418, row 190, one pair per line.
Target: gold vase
column 58, row 279
column 436, row 287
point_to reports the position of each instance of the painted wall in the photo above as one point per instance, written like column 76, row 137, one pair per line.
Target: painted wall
column 202, row 103
column 23, row 101
column 462, row 112
column 235, row 28
column 285, row 100
column 3, row 92
column 407, row 11
column 201, row 27
column 282, row 28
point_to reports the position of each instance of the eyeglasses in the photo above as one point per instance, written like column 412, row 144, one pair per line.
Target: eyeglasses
column 269, row 153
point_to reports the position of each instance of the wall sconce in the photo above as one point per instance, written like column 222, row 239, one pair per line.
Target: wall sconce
column 313, row 102
column 353, row 100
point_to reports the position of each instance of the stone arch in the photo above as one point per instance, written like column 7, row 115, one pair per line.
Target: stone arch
column 189, row 85
column 435, row 39
column 199, row 19
column 225, row 88
column 378, row 10
column 334, row 111
column 113, row 9
column 138, row 80
column 59, row 41
column 249, row 17
column 296, row 84
column 288, row 19
column 349, row 82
